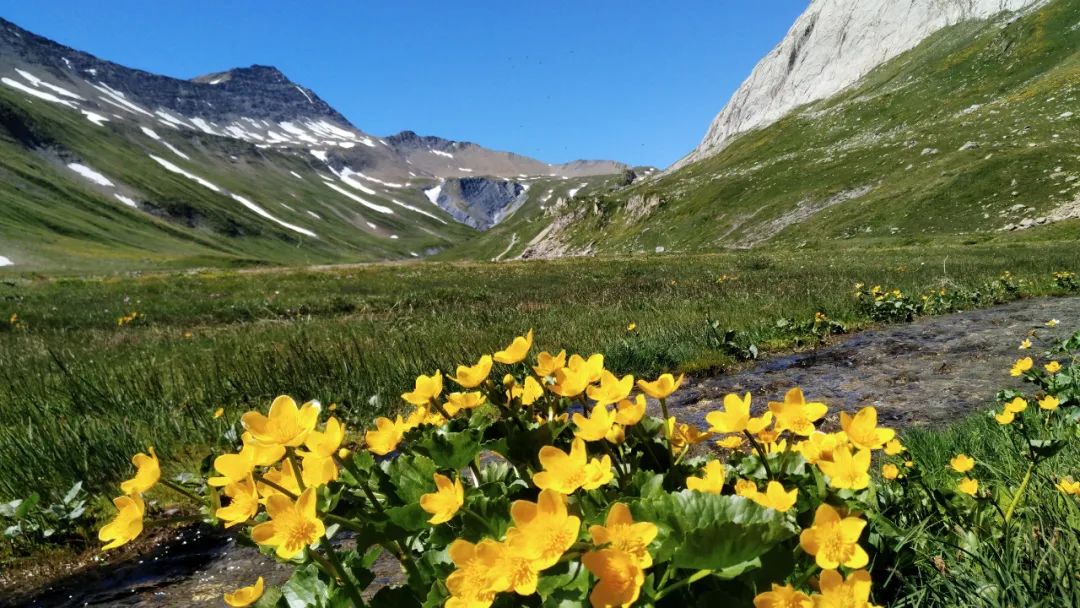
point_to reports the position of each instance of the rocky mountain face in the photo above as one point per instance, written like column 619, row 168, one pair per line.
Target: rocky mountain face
column 95, row 156
column 831, row 47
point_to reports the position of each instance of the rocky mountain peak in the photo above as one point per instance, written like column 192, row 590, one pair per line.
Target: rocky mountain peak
column 831, row 47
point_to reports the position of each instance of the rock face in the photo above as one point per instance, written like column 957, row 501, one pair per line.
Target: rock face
column 480, row 202
column 831, row 46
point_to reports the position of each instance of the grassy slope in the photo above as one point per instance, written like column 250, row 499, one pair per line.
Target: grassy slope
column 54, row 219
column 1023, row 78
column 78, row 394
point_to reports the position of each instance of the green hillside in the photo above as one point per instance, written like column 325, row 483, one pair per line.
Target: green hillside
column 971, row 137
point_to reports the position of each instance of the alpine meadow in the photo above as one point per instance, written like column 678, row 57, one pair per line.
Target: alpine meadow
column 254, row 355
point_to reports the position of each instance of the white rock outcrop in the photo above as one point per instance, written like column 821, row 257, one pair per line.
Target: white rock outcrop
column 832, row 46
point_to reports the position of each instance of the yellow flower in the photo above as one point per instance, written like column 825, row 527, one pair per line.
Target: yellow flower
column 517, row 351
column 622, row 533
column 472, row 377
column 1052, row 367
column 616, row 434
column 834, row 541
column 746, row 488
column 591, row 367
column 776, row 498
column 421, row 416
column 735, row 417
column 565, row 473
column 795, row 414
column 909, row 464
column 284, row 477
column 147, row 474
column 547, row 364
column 245, row 596
column 543, row 530
column 783, row 597
column 285, row 425
column 862, row 429
column 731, row 442
column 234, row 468
column 629, row 413
column 631, row 327
column 1026, row 344
column 894, row 447
column 1049, row 402
column 529, row 393
column 1017, row 405
column 1069, row 486
column 890, row 471
column 820, row 446
column 1021, row 366
column 838, row 593
column 1052, row 323
column 127, row 525
column 962, row 463
column 219, row 412
column 620, row 578
column 477, row 576
column 712, row 482
column 569, row 382
column 292, row 526
column 455, row 402
column 683, row 434
column 1005, row 417
column 386, row 436
column 319, row 467
column 243, row 503
column 612, row 389
column 444, row 503
column 846, row 470
column 425, row 389
column 662, row 387
column 594, row 427
column 968, row 486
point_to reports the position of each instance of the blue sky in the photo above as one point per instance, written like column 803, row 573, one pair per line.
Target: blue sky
column 558, row 80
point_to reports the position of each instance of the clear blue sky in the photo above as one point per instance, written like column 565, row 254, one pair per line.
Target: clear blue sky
column 629, row 80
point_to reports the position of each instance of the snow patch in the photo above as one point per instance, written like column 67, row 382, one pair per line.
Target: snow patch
column 314, row 215
column 263, row 213
column 15, row 84
column 4, row 261
column 97, row 119
column 432, row 194
column 464, row 169
column 175, row 169
column 151, row 133
column 37, row 82
column 296, row 175
column 363, row 202
column 127, row 201
column 319, row 154
column 91, row 175
column 120, row 99
column 420, row 211
column 441, row 153
column 306, row 95
column 173, row 149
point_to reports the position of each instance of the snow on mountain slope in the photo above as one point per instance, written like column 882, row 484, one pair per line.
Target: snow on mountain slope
column 831, row 46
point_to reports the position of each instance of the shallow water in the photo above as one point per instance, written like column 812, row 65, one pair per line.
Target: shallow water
column 932, row 371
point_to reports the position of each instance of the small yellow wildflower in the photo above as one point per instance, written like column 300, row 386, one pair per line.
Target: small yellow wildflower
column 783, row 597
column 968, row 486
column 797, row 415
column 443, row 504
column 833, row 540
column 547, row 364
column 629, row 413
column 517, row 351
column 147, row 474
column 662, row 387
column 473, row 376
column 292, row 526
column 847, row 470
column 622, row 533
column 620, row 577
column 776, row 497
column 594, row 427
column 245, row 596
column 425, row 389
column 1049, row 403
column 1052, row 367
column 1021, row 366
column 127, row 525
column 712, row 481
column 735, row 417
column 565, row 473
column 962, row 463
column 284, row 425
column 890, row 471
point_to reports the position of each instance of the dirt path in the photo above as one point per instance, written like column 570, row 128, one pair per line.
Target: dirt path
column 934, row 370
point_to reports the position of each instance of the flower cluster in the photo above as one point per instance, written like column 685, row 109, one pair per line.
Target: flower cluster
column 545, row 476
column 128, row 318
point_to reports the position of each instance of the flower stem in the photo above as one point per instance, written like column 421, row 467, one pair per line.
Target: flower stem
column 279, row 488
column 686, row 582
column 1019, row 493
column 360, row 480
column 760, row 451
column 667, row 430
column 350, row 585
column 296, row 469
column 181, row 490
column 484, row 522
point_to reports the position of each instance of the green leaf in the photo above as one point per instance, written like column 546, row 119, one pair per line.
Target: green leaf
column 713, row 532
column 304, row 588
column 411, row 476
column 451, row 450
column 409, row 517
column 25, row 506
column 1045, row 448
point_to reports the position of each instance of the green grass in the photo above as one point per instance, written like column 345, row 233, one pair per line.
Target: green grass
column 79, row 395
column 1034, row 567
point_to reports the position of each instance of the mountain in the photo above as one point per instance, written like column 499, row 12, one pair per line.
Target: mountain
column 107, row 167
column 829, row 48
column 968, row 136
